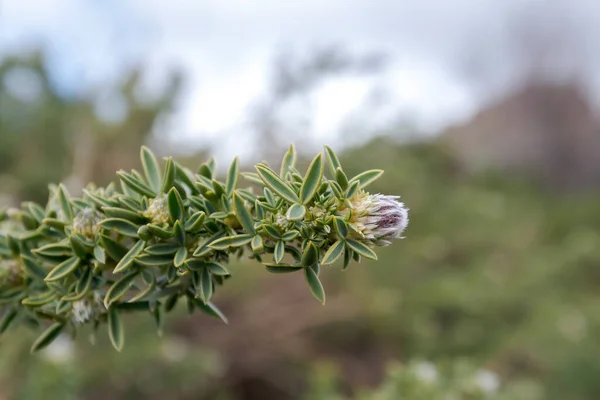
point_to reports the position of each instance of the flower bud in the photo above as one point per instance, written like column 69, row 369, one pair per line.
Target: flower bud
column 86, row 223
column 376, row 219
column 158, row 210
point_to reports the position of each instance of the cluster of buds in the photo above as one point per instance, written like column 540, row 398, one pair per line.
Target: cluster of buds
column 167, row 234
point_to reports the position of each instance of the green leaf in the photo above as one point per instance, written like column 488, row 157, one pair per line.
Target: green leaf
column 163, row 249
column 341, row 227
column 310, row 255
column 47, row 336
column 99, row 200
column 168, row 176
column 290, row 235
column 33, row 268
column 314, row 284
column 231, row 241
column 332, row 160
column 341, row 178
column 279, row 251
column 257, row 244
column 129, row 258
column 180, row 257
column 361, row 249
column 63, row 269
column 206, row 285
column 367, row 177
column 54, row 223
column 117, row 212
column 160, row 232
column 65, row 203
column 272, row 231
column 176, row 209
column 151, row 168
column 312, row 179
column 81, row 247
column 296, row 212
column 119, row 288
column 40, row 299
column 135, row 184
column 275, row 183
column 232, row 177
column 242, row 214
column 7, row 319
column 122, row 226
column 115, row 250
column 100, row 254
column 282, row 268
column 253, row 178
column 195, row 221
column 218, row 188
column 333, row 253
column 210, row 309
column 38, row 212
column 289, row 161
column 116, row 332
column 151, row 260
column 179, row 233
column 337, row 189
column 352, row 189
column 217, row 269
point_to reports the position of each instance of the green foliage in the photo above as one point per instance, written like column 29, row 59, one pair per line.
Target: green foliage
column 165, row 236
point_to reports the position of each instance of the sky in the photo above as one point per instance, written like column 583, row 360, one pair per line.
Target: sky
column 446, row 57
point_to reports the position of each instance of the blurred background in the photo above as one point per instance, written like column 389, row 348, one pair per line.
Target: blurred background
column 485, row 115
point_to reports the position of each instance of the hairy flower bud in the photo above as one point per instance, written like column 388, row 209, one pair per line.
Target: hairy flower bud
column 11, row 273
column 158, row 210
column 86, row 223
column 87, row 309
column 375, row 218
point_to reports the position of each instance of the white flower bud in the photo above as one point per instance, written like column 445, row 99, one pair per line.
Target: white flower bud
column 86, row 223
column 87, row 309
column 377, row 219
column 158, row 210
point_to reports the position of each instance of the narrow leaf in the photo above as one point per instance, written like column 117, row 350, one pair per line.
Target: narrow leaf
column 314, row 284
column 232, row 177
column 231, row 241
column 63, row 269
column 279, row 251
column 47, row 336
column 176, row 209
column 135, row 184
column 168, row 176
column 341, row 227
column 122, row 226
column 243, row 215
column 310, row 255
column 361, row 249
column 312, row 180
column 116, row 332
column 275, row 183
column 332, row 160
column 206, row 285
column 367, row 177
column 33, row 268
column 65, row 203
column 151, row 169
column 289, row 161
column 119, row 288
column 334, row 252
column 129, row 258
column 180, row 257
